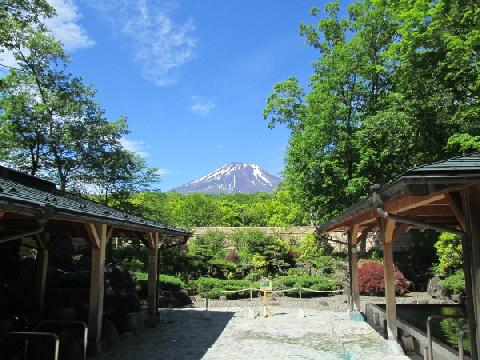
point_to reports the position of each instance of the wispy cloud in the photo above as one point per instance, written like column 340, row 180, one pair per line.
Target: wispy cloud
column 163, row 172
column 64, row 26
column 135, row 146
column 201, row 105
column 161, row 45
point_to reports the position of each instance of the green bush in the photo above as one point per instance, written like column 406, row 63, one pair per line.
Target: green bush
column 449, row 252
column 318, row 283
column 455, row 282
column 166, row 282
column 132, row 265
column 211, row 287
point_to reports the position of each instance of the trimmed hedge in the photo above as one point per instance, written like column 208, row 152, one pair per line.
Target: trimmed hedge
column 318, row 283
column 213, row 288
column 166, row 282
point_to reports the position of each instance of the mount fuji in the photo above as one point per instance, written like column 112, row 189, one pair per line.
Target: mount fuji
column 233, row 178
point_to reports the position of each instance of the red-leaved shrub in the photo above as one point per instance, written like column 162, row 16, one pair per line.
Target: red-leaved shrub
column 370, row 279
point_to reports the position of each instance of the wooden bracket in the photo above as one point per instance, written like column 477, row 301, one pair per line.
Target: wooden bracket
column 455, row 202
column 354, row 229
column 93, row 235
column 152, row 240
column 401, row 228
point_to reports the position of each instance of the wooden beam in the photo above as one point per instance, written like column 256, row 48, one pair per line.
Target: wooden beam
column 386, row 233
column 471, row 262
column 97, row 286
column 152, row 278
column 411, row 202
column 355, row 285
column 389, row 228
column 2, row 212
column 41, row 271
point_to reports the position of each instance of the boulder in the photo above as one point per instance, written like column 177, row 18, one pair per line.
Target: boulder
column 436, row 289
column 110, row 333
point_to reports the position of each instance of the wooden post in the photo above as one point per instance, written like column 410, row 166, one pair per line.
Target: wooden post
column 355, row 285
column 350, row 270
column 387, row 228
column 152, row 241
column 41, row 272
column 471, row 254
column 97, row 234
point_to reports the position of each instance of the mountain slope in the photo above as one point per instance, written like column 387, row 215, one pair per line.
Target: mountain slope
column 233, row 178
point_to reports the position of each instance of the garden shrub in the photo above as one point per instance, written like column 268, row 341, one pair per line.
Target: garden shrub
column 449, row 252
column 212, row 287
column 318, row 283
column 455, row 282
column 166, row 282
column 371, row 276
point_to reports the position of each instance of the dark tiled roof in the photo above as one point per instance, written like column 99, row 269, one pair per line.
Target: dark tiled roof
column 457, row 170
column 32, row 193
column 459, row 164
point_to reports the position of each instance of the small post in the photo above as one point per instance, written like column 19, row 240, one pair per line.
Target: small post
column 265, row 313
column 461, row 351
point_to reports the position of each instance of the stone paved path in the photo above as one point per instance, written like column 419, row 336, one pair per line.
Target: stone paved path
column 229, row 333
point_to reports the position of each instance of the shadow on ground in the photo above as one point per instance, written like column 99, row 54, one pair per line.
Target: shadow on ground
column 181, row 334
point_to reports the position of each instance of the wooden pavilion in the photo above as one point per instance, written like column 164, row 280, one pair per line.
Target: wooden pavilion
column 33, row 208
column 443, row 196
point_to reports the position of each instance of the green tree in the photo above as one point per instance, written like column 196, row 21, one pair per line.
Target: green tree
column 19, row 19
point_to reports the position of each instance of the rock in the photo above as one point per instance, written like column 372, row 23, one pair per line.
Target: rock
column 110, row 333
column 436, row 289
column 222, row 298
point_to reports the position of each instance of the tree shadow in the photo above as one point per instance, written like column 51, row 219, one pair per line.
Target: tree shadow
column 181, row 334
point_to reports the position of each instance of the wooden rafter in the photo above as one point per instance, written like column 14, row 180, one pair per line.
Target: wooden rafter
column 411, row 202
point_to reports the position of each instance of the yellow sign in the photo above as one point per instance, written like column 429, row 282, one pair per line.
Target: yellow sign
column 266, row 285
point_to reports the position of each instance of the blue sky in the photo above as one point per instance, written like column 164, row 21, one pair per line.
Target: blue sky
column 192, row 77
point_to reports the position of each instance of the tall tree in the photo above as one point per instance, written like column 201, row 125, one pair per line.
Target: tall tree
column 349, row 82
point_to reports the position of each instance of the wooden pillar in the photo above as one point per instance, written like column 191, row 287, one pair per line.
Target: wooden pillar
column 387, row 228
column 471, row 209
column 41, row 272
column 97, row 234
column 355, row 285
column 152, row 277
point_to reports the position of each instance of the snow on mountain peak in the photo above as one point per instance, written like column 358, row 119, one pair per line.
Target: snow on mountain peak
column 233, row 178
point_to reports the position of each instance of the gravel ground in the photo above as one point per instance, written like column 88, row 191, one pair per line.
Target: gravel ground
column 230, row 333
column 326, row 332
column 331, row 303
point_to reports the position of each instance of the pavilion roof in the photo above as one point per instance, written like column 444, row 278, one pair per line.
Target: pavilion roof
column 425, row 193
column 29, row 195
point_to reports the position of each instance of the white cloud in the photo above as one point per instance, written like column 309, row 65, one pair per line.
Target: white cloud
column 135, row 146
column 201, row 105
column 64, row 26
column 161, row 46
column 163, row 172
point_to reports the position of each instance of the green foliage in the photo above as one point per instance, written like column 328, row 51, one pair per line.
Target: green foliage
column 195, row 210
column 266, row 254
column 455, row 282
column 396, row 84
column 212, row 288
column 132, row 265
column 166, row 282
column 449, row 252
column 319, row 283
column 317, row 253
